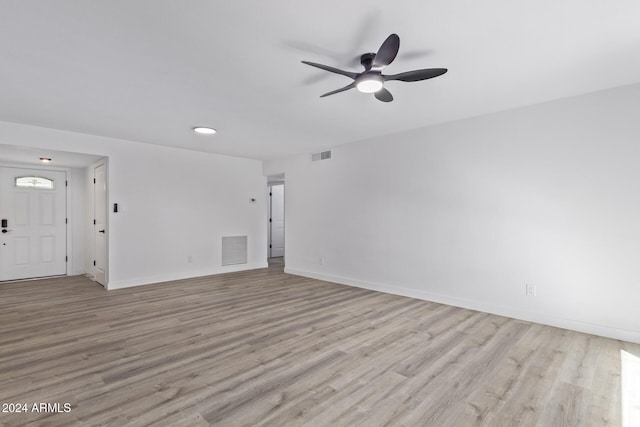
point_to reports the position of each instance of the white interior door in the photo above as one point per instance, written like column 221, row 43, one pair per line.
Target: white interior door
column 100, row 224
column 33, row 208
column 277, row 220
column 269, row 222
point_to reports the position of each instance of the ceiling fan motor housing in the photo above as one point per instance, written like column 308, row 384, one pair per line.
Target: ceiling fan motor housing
column 367, row 60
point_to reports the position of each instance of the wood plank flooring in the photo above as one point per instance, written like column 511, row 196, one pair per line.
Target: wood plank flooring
column 270, row 349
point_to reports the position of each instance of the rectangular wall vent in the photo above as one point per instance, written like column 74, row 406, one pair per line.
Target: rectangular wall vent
column 321, row 156
column 234, row 250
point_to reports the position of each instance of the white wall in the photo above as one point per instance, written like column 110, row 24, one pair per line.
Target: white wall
column 76, row 202
column 467, row 213
column 173, row 204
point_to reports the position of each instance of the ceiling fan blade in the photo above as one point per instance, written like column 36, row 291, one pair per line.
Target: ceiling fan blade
column 387, row 52
column 383, row 95
column 331, row 69
column 417, row 75
column 342, row 89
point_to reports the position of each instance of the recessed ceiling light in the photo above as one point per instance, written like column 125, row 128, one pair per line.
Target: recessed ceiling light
column 45, row 159
column 204, row 130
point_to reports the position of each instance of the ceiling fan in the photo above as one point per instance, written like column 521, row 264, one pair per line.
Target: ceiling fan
column 371, row 80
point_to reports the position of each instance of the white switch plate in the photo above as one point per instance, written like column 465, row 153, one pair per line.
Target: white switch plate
column 531, row 290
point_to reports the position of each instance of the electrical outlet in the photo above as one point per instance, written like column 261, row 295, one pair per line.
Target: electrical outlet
column 530, row 290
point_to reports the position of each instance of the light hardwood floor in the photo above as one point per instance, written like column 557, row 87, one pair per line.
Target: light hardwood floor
column 267, row 348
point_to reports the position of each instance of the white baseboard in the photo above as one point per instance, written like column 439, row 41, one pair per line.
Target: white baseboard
column 121, row 284
column 530, row 316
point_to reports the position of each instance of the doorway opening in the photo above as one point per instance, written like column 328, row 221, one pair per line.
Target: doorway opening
column 276, row 220
column 48, row 213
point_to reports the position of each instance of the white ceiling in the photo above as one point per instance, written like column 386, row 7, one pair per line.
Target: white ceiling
column 150, row 70
column 31, row 157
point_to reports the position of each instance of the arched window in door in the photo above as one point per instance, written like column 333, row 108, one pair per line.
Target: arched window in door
column 34, row 182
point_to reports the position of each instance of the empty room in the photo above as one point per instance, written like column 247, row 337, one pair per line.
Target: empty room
column 364, row 213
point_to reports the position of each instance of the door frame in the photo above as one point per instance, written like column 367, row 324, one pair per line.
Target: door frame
column 270, row 240
column 273, row 180
column 68, row 212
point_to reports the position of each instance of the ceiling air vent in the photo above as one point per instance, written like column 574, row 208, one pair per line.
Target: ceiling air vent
column 321, row 156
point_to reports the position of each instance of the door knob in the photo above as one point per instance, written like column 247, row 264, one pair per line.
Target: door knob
column 4, row 230
column 101, row 231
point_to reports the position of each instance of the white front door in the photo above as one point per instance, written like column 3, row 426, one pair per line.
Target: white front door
column 277, row 220
column 33, row 208
column 100, row 224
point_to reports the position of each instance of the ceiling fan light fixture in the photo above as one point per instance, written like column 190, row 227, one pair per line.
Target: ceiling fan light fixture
column 369, row 84
column 371, row 80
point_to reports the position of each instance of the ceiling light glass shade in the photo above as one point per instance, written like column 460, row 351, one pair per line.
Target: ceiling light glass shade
column 204, row 131
column 369, row 84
